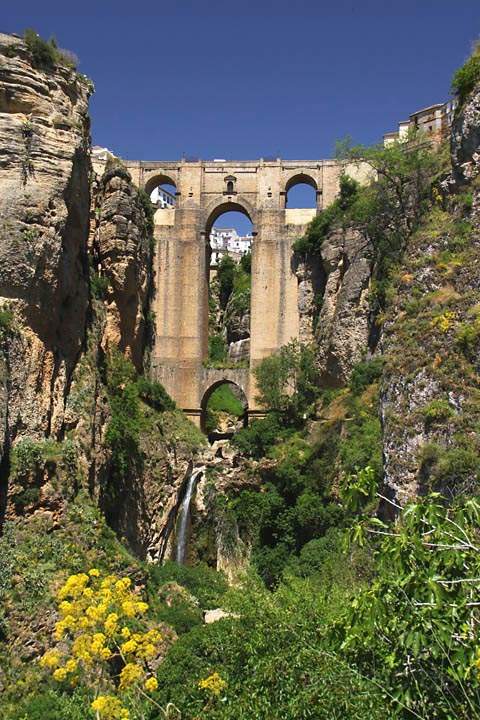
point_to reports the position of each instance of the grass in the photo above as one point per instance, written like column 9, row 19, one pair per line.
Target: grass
column 224, row 400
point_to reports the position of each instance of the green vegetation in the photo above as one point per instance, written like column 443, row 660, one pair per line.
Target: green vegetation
column 99, row 285
column 217, row 350
column 436, row 412
column 125, row 391
column 6, row 321
column 329, row 218
column 229, row 301
column 222, row 401
column 300, row 500
column 46, row 54
column 385, row 212
column 466, row 77
column 287, row 382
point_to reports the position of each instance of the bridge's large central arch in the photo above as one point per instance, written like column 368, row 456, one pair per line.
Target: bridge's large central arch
column 203, row 191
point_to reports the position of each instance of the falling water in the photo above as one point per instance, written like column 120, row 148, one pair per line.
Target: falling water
column 183, row 516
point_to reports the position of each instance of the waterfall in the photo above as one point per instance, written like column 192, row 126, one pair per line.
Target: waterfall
column 184, row 514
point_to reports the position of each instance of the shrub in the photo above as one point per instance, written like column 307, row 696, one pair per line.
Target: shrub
column 6, row 321
column 256, row 439
column 48, row 704
column 154, row 394
column 412, row 629
column 273, row 662
column 452, row 471
column 246, row 263
column 436, row 412
column 225, row 276
column 217, row 349
column 467, row 336
column 148, row 210
column 321, row 225
column 99, row 285
column 28, row 456
column 466, row 77
column 204, row 583
column 46, row 54
column 103, row 638
column 365, row 373
column 288, row 382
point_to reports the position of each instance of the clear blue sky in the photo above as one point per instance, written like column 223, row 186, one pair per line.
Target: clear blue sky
column 246, row 79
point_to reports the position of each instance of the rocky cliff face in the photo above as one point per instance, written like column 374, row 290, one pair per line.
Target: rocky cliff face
column 44, row 200
column 122, row 250
column 75, row 284
column 334, row 304
column 342, row 327
column 431, row 339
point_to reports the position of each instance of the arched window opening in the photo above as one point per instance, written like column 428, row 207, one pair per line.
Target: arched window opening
column 300, row 200
column 229, row 283
column 301, row 196
column 224, row 410
column 163, row 196
column 301, row 193
column 230, row 181
column 162, row 192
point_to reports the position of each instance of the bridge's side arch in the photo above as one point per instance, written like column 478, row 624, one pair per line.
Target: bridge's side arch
column 300, row 178
column 239, row 391
column 159, row 179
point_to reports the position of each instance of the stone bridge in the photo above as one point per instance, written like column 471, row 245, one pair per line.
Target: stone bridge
column 204, row 191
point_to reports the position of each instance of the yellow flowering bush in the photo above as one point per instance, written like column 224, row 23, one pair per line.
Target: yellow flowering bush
column 102, row 635
column 444, row 321
column 213, row 684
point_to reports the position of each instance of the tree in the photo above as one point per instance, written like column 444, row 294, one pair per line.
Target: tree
column 287, row 381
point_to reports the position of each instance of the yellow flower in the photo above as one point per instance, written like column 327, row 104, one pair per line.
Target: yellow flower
column 129, row 647
column 151, row 684
column 111, row 624
column 66, row 608
column 71, row 666
column 130, row 674
column 51, row 659
column 60, row 674
column 141, row 607
column 213, row 684
column 123, row 584
column 94, row 572
column 125, row 633
column 153, row 636
column 129, row 607
column 148, row 650
column 110, row 708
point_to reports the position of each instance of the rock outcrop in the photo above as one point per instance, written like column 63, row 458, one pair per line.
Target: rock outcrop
column 342, row 323
column 44, row 201
column 75, row 285
column 122, row 251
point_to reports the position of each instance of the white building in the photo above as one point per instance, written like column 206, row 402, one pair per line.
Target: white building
column 226, row 241
column 162, row 199
column 433, row 121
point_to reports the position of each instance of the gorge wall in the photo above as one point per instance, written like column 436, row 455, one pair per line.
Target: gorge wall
column 75, row 290
column 77, row 287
